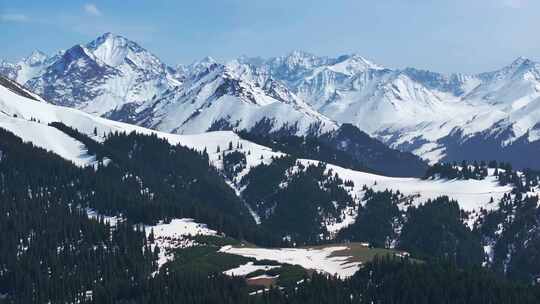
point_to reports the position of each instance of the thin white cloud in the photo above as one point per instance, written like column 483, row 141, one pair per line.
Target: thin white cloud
column 13, row 18
column 92, row 10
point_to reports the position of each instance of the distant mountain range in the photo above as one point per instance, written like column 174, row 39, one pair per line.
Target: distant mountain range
column 494, row 115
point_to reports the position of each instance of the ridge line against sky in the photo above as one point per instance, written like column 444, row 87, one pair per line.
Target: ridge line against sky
column 443, row 36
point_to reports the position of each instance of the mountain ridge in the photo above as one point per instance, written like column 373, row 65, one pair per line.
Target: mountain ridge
column 427, row 113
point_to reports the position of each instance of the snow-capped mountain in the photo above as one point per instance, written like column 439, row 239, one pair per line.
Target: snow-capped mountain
column 495, row 115
column 115, row 77
column 27, row 68
column 195, row 68
column 97, row 77
column 8, row 70
column 217, row 96
column 436, row 116
column 433, row 115
column 32, row 66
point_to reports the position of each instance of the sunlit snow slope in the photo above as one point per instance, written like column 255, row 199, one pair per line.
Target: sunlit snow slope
column 29, row 119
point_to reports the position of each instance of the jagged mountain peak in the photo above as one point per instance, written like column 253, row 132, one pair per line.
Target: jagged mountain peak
column 298, row 60
column 353, row 64
column 521, row 64
column 196, row 68
column 457, row 84
column 76, row 56
column 203, row 63
column 101, row 76
column 299, row 54
column 8, row 69
column 253, row 61
column 27, row 67
column 111, row 39
column 206, row 60
column 521, row 61
column 410, row 109
column 111, row 35
column 517, row 68
column 525, row 65
column 302, row 59
column 35, row 58
column 115, row 50
column 356, row 58
column 231, row 95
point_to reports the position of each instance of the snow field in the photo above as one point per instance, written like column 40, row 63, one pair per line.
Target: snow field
column 247, row 268
column 316, row 259
column 470, row 194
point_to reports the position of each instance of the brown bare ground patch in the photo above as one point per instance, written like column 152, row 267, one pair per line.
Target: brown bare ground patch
column 266, row 282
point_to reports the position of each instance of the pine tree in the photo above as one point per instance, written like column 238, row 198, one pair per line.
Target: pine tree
column 151, row 238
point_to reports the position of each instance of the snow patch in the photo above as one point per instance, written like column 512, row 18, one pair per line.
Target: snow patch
column 174, row 235
column 247, row 268
column 316, row 259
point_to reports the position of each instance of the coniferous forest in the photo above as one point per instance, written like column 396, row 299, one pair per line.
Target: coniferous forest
column 51, row 251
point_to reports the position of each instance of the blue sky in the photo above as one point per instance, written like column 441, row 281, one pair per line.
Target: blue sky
column 446, row 36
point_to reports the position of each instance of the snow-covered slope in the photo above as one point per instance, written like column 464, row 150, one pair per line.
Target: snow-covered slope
column 29, row 118
column 428, row 113
column 501, row 106
column 17, row 109
column 471, row 194
column 48, row 138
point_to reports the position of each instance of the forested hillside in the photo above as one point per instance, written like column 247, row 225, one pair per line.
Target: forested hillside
column 49, row 240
